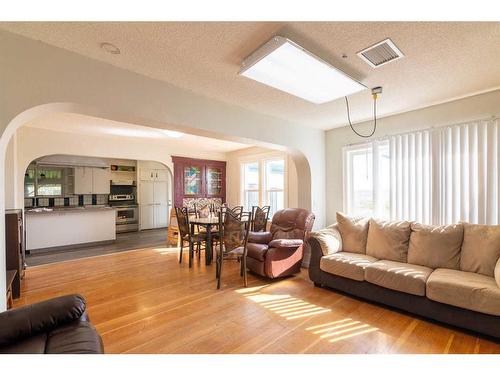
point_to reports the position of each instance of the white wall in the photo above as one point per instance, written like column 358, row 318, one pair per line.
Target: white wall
column 473, row 108
column 233, row 170
column 10, row 174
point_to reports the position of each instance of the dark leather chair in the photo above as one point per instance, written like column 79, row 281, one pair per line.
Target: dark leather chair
column 279, row 252
column 56, row 326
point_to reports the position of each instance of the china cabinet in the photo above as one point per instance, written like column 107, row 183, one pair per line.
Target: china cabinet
column 198, row 179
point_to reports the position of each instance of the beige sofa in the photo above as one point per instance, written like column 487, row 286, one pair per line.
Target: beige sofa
column 447, row 273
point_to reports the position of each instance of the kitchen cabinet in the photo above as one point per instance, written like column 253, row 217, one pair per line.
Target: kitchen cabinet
column 83, row 180
column 153, row 198
column 198, row 178
column 101, row 179
column 90, row 180
column 153, row 175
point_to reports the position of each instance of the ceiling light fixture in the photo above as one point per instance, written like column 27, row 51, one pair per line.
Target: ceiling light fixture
column 286, row 66
column 172, row 133
column 110, row 48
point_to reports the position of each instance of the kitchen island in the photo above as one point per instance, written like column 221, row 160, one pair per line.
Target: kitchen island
column 53, row 228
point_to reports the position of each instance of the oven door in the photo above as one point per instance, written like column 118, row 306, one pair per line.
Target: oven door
column 126, row 215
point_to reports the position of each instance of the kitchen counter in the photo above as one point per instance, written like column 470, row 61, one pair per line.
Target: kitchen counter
column 53, row 210
column 56, row 227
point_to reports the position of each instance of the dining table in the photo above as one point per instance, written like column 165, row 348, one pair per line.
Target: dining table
column 208, row 223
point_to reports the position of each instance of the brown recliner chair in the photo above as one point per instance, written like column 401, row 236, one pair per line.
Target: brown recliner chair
column 279, row 252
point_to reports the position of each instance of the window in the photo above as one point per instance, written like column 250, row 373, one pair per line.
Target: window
column 44, row 181
column 250, row 172
column 49, row 181
column 439, row 176
column 367, row 170
column 263, row 183
column 275, row 184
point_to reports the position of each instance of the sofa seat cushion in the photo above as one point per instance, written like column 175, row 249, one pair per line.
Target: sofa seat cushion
column 354, row 232
column 467, row 290
column 436, row 246
column 345, row 264
column 404, row 277
column 257, row 251
column 480, row 248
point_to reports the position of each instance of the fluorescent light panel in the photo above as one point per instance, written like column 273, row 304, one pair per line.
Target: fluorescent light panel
column 284, row 65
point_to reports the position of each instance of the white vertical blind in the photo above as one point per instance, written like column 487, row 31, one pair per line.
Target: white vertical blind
column 467, row 178
column 440, row 176
column 410, row 177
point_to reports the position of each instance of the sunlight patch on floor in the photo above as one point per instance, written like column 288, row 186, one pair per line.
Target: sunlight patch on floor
column 284, row 305
column 166, row 250
column 341, row 329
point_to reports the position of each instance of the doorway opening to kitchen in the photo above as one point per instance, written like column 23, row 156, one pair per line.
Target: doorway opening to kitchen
column 79, row 206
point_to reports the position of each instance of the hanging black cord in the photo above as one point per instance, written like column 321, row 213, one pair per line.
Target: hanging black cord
column 374, row 119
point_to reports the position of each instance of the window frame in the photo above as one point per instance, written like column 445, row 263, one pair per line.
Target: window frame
column 347, row 176
column 266, row 201
column 243, row 189
column 262, row 160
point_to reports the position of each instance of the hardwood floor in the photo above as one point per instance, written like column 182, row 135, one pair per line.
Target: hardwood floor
column 144, row 301
column 123, row 242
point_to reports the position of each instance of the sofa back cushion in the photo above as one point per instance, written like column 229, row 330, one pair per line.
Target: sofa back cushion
column 436, row 246
column 388, row 240
column 480, row 248
column 354, row 232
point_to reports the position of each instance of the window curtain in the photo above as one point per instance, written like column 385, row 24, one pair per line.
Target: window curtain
column 465, row 173
column 411, row 176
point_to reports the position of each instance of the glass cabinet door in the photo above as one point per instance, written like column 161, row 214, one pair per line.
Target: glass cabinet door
column 192, row 180
column 214, row 181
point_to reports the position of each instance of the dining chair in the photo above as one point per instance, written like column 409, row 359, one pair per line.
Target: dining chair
column 202, row 210
column 236, row 210
column 259, row 219
column 186, row 235
column 233, row 232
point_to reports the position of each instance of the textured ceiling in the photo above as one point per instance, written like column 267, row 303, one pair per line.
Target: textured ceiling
column 87, row 125
column 444, row 60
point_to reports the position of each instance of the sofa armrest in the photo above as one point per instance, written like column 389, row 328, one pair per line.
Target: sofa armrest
column 497, row 272
column 260, row 237
column 329, row 239
column 23, row 322
column 286, row 243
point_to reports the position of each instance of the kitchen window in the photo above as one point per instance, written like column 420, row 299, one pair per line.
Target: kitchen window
column 41, row 181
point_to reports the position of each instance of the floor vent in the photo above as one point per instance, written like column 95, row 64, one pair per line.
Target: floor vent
column 381, row 53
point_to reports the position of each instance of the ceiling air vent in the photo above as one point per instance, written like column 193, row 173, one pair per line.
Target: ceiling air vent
column 380, row 53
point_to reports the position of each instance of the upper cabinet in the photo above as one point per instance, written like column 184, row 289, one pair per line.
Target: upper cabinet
column 198, row 178
column 83, row 180
column 92, row 180
column 101, row 179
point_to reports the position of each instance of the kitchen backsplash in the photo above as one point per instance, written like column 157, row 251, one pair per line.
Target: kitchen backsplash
column 72, row 200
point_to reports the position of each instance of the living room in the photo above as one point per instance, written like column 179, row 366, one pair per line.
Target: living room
column 357, row 211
